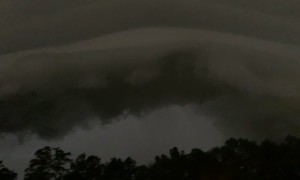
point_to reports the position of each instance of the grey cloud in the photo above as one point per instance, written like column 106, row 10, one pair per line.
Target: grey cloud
column 249, row 86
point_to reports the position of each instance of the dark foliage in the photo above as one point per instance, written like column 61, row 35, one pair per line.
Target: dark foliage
column 85, row 167
column 49, row 163
column 238, row 159
column 6, row 174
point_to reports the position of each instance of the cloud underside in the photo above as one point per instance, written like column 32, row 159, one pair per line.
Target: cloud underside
column 243, row 83
column 63, row 64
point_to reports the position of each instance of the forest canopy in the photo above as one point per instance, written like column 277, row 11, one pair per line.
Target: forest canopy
column 235, row 160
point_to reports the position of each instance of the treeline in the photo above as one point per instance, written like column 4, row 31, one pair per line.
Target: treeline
column 237, row 159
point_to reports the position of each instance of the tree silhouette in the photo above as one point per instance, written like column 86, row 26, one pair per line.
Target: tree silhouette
column 49, row 163
column 117, row 169
column 237, row 159
column 6, row 174
column 194, row 163
column 169, row 167
column 85, row 168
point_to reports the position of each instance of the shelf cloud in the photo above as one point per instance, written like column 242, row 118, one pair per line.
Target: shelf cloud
column 62, row 67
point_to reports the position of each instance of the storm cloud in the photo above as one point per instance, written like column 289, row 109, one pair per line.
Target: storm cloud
column 63, row 64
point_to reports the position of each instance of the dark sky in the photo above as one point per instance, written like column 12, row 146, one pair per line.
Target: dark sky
column 135, row 76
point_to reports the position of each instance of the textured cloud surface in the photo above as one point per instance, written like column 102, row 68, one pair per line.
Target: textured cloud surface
column 62, row 65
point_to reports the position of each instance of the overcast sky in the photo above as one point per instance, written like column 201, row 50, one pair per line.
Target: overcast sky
column 136, row 77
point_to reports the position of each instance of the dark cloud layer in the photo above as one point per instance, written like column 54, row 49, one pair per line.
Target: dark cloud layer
column 30, row 24
column 235, row 67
